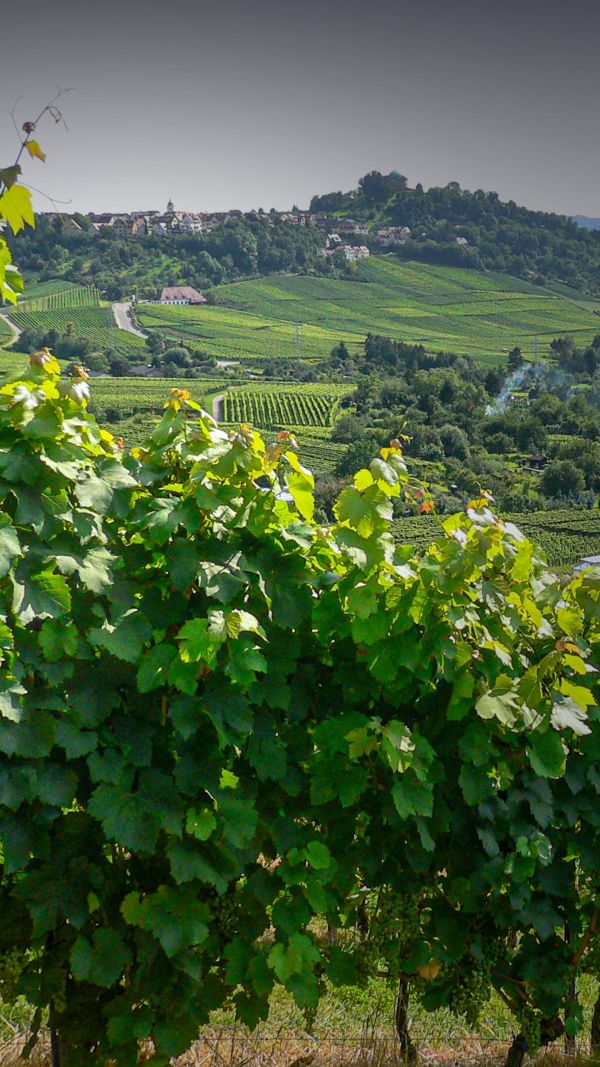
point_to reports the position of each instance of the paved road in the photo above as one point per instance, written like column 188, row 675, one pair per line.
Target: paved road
column 122, row 314
column 217, row 407
column 16, row 332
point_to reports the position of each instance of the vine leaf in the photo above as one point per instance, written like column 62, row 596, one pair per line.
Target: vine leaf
column 35, row 151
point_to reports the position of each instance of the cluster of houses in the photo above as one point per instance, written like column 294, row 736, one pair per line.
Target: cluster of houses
column 389, row 236
column 160, row 224
column 350, row 252
column 338, row 233
column 347, row 235
column 172, row 222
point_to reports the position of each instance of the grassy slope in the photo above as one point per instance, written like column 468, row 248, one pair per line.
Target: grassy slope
column 446, row 308
column 233, row 334
column 442, row 307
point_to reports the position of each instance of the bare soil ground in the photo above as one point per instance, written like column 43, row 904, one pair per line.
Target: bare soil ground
column 234, row 1047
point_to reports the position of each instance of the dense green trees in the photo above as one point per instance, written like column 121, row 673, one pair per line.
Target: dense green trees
column 562, row 477
column 121, row 265
column 457, row 410
column 500, row 235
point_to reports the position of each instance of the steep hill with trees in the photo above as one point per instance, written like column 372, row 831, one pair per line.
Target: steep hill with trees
column 501, row 235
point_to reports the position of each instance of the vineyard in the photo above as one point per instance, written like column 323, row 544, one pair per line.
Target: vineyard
column 117, row 399
column 240, row 335
column 302, row 317
column 565, row 536
column 65, row 297
column 5, row 333
column 441, row 307
column 132, row 407
column 35, row 290
column 320, row 455
column 91, row 321
column 286, row 407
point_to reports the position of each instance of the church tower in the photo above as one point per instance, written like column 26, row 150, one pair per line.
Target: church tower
column 170, row 207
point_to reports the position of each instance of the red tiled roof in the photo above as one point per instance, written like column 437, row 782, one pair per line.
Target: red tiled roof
column 183, row 292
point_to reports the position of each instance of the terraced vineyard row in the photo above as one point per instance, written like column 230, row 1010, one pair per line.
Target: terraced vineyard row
column 94, row 323
column 565, row 535
column 268, row 409
column 52, row 285
column 72, row 296
column 319, row 455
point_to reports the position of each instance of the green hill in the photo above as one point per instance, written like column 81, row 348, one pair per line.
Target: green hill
column 444, row 308
column 456, row 227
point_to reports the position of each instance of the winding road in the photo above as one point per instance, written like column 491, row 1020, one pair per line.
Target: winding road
column 217, row 407
column 122, row 316
column 15, row 331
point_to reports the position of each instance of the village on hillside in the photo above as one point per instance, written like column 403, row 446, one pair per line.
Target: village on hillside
column 346, row 235
column 340, row 234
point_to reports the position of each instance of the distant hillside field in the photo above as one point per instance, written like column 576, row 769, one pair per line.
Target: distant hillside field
column 241, row 335
column 564, row 535
column 444, row 308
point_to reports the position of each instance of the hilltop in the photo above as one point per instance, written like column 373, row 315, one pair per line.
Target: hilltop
column 454, row 226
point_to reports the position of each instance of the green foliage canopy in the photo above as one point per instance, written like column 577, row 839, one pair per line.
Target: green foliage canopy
column 220, row 720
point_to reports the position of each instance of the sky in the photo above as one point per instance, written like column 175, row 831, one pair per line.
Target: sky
column 257, row 103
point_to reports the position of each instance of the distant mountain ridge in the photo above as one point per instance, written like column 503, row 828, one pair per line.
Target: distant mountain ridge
column 586, row 222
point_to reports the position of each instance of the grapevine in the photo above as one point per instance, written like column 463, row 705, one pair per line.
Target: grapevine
column 470, row 989
column 530, row 1025
column 218, row 711
column 393, row 925
column 12, row 964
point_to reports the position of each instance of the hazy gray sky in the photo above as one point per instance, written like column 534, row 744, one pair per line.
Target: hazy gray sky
column 240, row 104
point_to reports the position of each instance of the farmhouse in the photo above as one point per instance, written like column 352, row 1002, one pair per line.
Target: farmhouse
column 181, row 294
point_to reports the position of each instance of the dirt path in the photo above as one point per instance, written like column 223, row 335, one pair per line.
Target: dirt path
column 122, row 315
column 15, row 331
column 218, row 407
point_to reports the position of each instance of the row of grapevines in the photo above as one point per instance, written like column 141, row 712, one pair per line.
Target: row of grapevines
column 268, row 409
column 76, row 296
